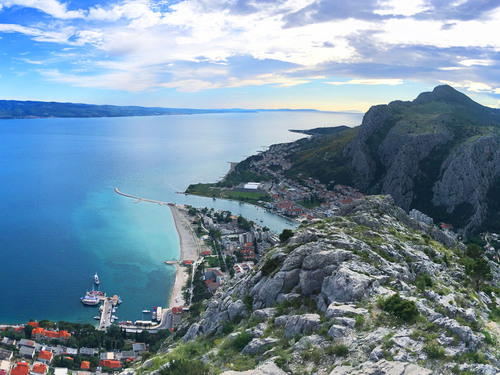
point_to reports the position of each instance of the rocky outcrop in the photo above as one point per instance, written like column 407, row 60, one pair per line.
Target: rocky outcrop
column 268, row 368
column 467, row 176
column 441, row 148
column 382, row 367
column 325, row 300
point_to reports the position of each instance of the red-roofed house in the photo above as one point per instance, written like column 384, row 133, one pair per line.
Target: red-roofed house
column 45, row 357
column 33, row 324
column 110, row 363
column 43, row 334
column 22, row 368
column 85, row 365
column 39, row 369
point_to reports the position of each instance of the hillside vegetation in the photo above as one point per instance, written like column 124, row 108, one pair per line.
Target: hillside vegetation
column 439, row 153
column 368, row 291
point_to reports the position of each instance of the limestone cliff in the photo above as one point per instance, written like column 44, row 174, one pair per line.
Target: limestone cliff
column 438, row 153
column 369, row 291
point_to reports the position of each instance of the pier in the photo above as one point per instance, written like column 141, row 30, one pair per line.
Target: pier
column 140, row 199
column 107, row 312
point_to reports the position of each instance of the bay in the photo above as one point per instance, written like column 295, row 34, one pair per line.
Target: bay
column 61, row 221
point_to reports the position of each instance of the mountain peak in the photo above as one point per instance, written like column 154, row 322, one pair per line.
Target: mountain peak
column 447, row 94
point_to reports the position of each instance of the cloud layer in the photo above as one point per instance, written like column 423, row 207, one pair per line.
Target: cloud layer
column 196, row 45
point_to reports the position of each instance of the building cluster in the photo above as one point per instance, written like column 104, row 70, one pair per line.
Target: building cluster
column 292, row 197
column 239, row 248
column 33, row 357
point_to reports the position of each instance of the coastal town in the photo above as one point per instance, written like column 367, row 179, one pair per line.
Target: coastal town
column 215, row 247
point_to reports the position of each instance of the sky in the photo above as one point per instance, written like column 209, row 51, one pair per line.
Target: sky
column 334, row 55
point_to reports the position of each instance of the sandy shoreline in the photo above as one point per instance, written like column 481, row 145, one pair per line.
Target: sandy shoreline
column 189, row 250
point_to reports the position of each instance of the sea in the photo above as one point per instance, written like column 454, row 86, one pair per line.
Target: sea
column 61, row 220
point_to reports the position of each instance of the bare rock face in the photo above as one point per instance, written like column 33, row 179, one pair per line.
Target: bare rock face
column 382, row 367
column 467, row 175
column 268, row 368
column 345, row 285
column 442, row 147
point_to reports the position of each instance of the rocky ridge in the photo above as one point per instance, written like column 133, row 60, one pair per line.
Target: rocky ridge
column 438, row 153
column 369, row 291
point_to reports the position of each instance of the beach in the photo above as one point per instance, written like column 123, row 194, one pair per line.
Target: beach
column 190, row 249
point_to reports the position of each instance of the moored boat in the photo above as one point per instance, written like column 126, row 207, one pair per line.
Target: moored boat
column 97, row 317
column 145, row 311
column 90, row 301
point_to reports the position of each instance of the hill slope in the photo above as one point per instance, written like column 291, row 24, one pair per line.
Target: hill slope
column 369, row 291
column 439, row 153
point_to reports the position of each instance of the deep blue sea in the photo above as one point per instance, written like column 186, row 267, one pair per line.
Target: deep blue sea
column 61, row 221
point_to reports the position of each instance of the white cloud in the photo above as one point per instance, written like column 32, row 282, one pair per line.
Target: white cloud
column 473, row 86
column 190, row 45
column 389, row 82
column 51, row 7
column 401, row 7
column 60, row 36
column 477, row 62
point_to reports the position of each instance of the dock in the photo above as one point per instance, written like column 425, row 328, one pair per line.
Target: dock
column 107, row 311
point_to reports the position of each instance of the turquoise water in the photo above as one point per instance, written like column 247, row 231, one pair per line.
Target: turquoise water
column 61, row 220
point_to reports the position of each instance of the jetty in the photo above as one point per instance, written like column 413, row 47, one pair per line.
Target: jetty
column 141, row 199
column 107, row 311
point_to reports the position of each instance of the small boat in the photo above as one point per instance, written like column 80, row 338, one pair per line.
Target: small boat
column 145, row 311
column 114, row 317
column 96, row 279
column 97, row 317
column 90, row 301
column 101, row 308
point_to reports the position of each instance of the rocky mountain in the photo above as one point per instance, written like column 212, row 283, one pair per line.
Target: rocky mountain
column 368, row 291
column 439, row 153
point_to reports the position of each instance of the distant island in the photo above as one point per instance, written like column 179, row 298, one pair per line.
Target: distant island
column 15, row 109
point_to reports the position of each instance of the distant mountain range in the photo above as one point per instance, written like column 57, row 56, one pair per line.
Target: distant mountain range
column 15, row 109
column 439, row 153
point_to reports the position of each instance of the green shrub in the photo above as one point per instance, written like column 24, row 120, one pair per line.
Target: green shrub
column 360, row 320
column 286, row 235
column 339, row 350
column 434, row 351
column 423, row 282
column 488, row 339
column 240, row 341
column 270, row 266
column 185, row 366
column 403, row 309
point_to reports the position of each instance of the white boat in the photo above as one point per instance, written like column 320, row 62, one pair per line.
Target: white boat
column 114, row 317
column 97, row 317
column 91, row 301
column 96, row 279
column 145, row 311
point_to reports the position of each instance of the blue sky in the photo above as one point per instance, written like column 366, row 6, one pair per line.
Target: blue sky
column 324, row 54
